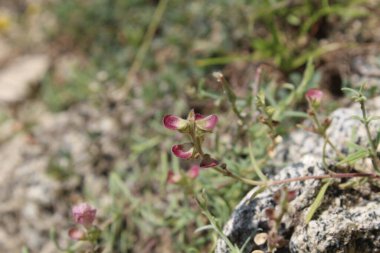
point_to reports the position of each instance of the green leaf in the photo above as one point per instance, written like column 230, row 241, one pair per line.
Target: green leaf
column 295, row 114
column 317, row 201
column 356, row 117
column 350, row 90
column 360, row 154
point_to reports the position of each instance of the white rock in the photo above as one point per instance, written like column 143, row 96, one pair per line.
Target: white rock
column 17, row 79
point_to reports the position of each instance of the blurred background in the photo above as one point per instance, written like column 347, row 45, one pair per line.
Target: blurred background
column 84, row 85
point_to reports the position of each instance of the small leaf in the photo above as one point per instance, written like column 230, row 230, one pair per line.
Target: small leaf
column 350, row 90
column 317, row 201
column 356, row 117
column 360, row 154
column 203, row 228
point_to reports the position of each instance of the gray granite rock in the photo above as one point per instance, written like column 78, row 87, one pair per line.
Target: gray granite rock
column 342, row 131
column 347, row 219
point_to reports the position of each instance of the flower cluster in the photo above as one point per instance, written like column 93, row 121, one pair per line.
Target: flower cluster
column 195, row 127
column 84, row 216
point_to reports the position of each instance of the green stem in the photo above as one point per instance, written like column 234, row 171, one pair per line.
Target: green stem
column 147, row 41
column 322, row 131
column 372, row 144
column 229, row 173
column 231, row 98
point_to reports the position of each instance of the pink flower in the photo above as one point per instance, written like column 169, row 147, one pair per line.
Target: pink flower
column 193, row 172
column 77, row 234
column 173, row 178
column 83, row 214
column 314, row 96
column 183, row 151
column 196, row 126
column 204, row 123
column 175, row 123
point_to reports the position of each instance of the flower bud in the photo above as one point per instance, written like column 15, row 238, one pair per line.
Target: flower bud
column 77, row 234
column 175, row 123
column 314, row 96
column 173, row 178
column 193, row 172
column 183, row 151
column 83, row 214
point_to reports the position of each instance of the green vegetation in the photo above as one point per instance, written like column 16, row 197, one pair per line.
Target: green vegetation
column 159, row 56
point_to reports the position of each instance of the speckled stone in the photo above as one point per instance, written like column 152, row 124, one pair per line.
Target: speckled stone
column 342, row 131
column 249, row 216
column 347, row 219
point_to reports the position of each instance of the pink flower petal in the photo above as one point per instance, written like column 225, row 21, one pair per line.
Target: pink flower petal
column 172, row 177
column 183, row 151
column 76, row 234
column 314, row 95
column 83, row 214
column 198, row 116
column 193, row 172
column 174, row 123
column 208, row 123
column 208, row 162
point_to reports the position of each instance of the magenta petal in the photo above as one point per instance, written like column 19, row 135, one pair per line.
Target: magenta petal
column 314, row 95
column 193, row 172
column 208, row 123
column 83, row 214
column 76, row 234
column 174, row 122
column 183, row 151
column 198, row 116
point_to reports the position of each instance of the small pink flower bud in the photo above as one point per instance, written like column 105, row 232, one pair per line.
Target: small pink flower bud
column 83, row 214
column 77, row 234
column 207, row 123
column 173, row 178
column 183, row 151
column 193, row 172
column 175, row 123
column 314, row 96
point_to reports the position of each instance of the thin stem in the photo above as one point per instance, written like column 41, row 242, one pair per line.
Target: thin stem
column 147, row 41
column 332, row 175
column 324, row 154
column 229, row 173
column 231, row 97
column 256, row 167
column 323, row 133
column 372, row 144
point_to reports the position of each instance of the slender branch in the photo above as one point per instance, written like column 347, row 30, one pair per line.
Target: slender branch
column 147, row 41
column 229, row 173
column 327, row 176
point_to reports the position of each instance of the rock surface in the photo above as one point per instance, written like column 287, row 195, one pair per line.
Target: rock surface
column 346, row 218
column 18, row 78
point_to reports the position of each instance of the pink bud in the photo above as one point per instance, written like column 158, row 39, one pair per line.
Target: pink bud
column 174, row 123
column 173, row 178
column 83, row 214
column 193, row 172
column 77, row 234
column 183, row 151
column 314, row 96
column 207, row 123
